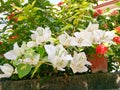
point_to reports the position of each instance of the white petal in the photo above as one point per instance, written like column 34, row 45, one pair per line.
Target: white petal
column 24, row 46
column 46, row 33
column 109, row 35
column 2, row 26
column 11, row 55
column 40, row 29
column 77, row 34
column 65, row 39
column 50, row 49
column 62, row 38
column 39, row 40
column 68, row 57
column 86, row 43
column 15, row 46
column 7, row 69
column 31, row 44
column 33, row 37
column 36, row 59
column 4, row 76
column 74, row 41
column 78, row 63
column 87, row 63
column 83, row 69
column 92, row 27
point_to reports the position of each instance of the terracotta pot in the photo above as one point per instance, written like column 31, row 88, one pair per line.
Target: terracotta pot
column 99, row 63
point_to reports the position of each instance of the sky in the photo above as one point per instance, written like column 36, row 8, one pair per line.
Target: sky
column 54, row 1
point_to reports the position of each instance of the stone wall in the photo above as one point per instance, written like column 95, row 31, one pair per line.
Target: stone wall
column 98, row 81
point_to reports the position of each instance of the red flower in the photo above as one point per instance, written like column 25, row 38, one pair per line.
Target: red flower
column 116, row 39
column 97, row 13
column 1, row 42
column 117, row 29
column 10, row 17
column 101, row 49
column 60, row 4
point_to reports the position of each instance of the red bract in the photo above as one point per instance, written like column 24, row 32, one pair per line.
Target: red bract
column 117, row 29
column 10, row 17
column 116, row 39
column 97, row 13
column 0, row 42
column 101, row 49
column 60, row 3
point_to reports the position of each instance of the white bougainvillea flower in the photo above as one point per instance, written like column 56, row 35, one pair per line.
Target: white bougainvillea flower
column 101, row 36
column 41, row 35
column 32, row 60
column 30, row 57
column 31, row 44
column 65, row 39
column 7, row 70
column 16, row 52
column 83, row 38
column 78, row 63
column 108, row 37
column 92, row 27
column 98, row 36
column 58, row 56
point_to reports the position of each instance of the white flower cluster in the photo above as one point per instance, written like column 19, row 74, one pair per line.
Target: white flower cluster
column 57, row 54
column 91, row 35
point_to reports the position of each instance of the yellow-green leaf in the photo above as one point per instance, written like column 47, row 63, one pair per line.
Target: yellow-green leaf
column 20, row 18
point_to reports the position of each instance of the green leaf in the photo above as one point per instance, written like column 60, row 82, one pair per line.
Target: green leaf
column 67, row 27
column 18, row 8
column 33, row 3
column 41, row 51
column 23, row 69
column 51, row 19
column 37, row 67
column 35, row 9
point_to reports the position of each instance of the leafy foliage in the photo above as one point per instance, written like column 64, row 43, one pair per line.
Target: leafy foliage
column 70, row 16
